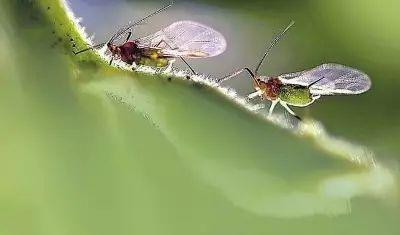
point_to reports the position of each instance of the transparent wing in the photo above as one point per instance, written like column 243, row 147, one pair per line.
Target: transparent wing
column 187, row 39
column 330, row 79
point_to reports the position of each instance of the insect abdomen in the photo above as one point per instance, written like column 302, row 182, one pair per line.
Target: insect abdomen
column 151, row 57
column 157, row 62
column 295, row 95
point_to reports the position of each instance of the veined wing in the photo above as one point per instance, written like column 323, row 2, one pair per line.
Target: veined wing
column 187, row 39
column 330, row 79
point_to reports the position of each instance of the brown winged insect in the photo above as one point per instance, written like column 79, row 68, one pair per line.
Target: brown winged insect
column 303, row 88
column 182, row 39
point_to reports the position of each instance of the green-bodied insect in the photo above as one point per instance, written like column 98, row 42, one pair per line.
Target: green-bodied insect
column 303, row 88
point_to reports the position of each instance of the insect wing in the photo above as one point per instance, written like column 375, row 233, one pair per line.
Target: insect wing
column 186, row 39
column 330, row 79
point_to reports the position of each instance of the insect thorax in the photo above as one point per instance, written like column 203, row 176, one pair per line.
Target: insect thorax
column 270, row 87
column 128, row 52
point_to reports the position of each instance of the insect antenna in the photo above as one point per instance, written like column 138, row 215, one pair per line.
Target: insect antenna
column 276, row 39
column 138, row 22
column 234, row 74
column 90, row 48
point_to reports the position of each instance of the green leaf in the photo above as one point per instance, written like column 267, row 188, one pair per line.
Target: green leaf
column 75, row 129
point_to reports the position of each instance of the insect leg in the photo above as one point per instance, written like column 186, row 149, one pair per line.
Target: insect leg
column 167, row 44
column 112, row 58
column 316, row 97
column 254, row 94
column 190, row 67
column 272, row 107
column 169, row 67
column 234, row 74
column 180, row 57
column 289, row 110
column 129, row 36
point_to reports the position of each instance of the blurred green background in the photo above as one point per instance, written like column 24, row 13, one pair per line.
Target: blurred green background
column 86, row 150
